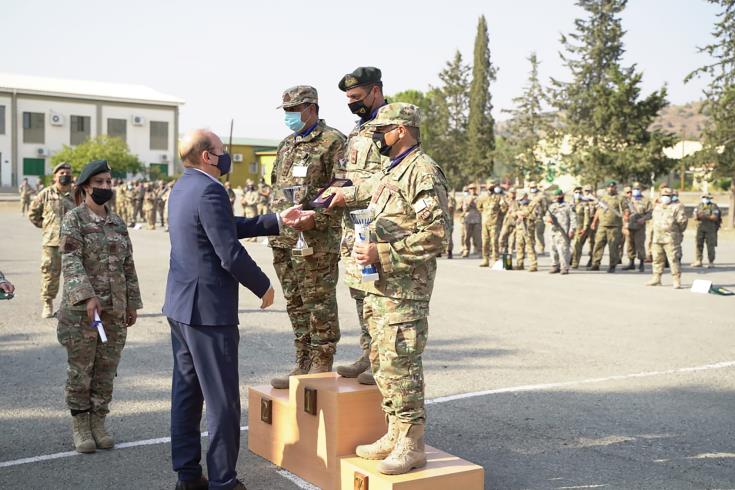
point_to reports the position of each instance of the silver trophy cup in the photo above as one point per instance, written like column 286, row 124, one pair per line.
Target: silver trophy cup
column 362, row 219
column 296, row 194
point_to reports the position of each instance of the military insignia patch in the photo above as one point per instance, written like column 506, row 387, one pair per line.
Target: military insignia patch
column 350, row 81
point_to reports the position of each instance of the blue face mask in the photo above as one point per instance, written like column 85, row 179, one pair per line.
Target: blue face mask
column 293, row 121
column 674, row 198
column 666, row 199
column 636, row 193
column 224, row 162
column 497, row 190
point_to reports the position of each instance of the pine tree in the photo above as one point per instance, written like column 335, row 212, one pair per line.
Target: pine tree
column 480, row 130
column 449, row 106
column 719, row 134
column 528, row 127
column 600, row 108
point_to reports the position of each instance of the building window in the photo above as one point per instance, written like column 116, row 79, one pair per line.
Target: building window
column 34, row 127
column 2, row 119
column 117, row 128
column 157, row 171
column 34, row 166
column 159, row 135
column 79, row 129
column 254, row 168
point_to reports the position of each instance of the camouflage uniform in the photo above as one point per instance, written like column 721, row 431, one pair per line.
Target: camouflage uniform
column 451, row 208
column 97, row 259
column 309, row 283
column 264, row 198
column 493, row 208
column 709, row 218
column 507, row 231
column 249, row 201
column 525, row 215
column 471, row 224
column 231, row 195
column 669, row 223
column 161, row 196
column 410, row 230
column 122, row 202
column 132, row 194
column 560, row 242
column 540, row 226
column 26, row 192
column 609, row 230
column 639, row 209
column 149, row 207
column 583, row 216
column 47, row 211
column 139, row 199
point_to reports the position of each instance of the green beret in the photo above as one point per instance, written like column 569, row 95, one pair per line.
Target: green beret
column 62, row 166
column 363, row 75
column 91, row 169
column 558, row 192
column 611, row 182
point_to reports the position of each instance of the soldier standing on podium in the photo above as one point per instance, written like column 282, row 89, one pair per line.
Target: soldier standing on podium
column 408, row 233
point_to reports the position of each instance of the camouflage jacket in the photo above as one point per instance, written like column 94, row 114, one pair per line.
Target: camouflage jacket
column 264, row 194
column 149, row 199
column 638, row 209
column 583, row 215
column 703, row 216
column 493, row 208
column 250, row 198
column 47, row 210
column 319, row 152
column 25, row 191
column 565, row 216
column 669, row 223
column 611, row 211
column 97, row 260
column 410, row 227
column 539, row 205
column 470, row 213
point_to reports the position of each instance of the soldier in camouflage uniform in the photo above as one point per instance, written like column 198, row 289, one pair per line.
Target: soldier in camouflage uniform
column 264, row 198
column 362, row 164
column 563, row 227
column 583, row 220
column 669, row 223
column 609, row 228
column 507, row 231
column 161, row 191
column 639, row 212
column 99, row 276
column 539, row 199
column 471, row 222
column 309, row 282
column 250, row 199
column 452, row 208
column 26, row 192
column 47, row 211
column 231, row 195
column 709, row 219
column 525, row 214
column 409, row 231
column 149, row 206
column 493, row 208
column 121, row 193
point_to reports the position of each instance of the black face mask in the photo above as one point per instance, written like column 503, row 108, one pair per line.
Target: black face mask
column 359, row 108
column 383, row 148
column 65, row 179
column 100, row 195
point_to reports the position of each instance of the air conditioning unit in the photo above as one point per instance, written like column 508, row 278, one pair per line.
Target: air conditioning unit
column 42, row 152
column 56, row 119
column 138, row 120
column 164, row 157
column 237, row 157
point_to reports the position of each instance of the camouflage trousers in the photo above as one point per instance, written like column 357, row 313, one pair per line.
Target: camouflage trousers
column 25, row 204
column 450, row 242
column 150, row 217
column 250, row 211
column 507, row 240
column 472, row 237
column 525, row 244
column 91, row 364
column 540, row 238
column 365, row 338
column 399, row 328
column 636, row 244
column 561, row 251
column 578, row 245
column 667, row 251
column 263, row 209
column 710, row 238
column 607, row 235
column 491, row 240
column 50, row 272
column 161, row 210
column 310, row 287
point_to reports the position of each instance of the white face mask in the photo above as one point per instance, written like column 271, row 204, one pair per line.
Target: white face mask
column 577, row 196
column 666, row 199
column 705, row 200
column 497, row 190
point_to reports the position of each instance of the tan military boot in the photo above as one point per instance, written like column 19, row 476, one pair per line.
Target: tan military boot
column 102, row 438
column 408, row 452
column 485, row 262
column 677, row 281
column 321, row 361
column 381, row 448
column 697, row 263
column 655, row 280
column 303, row 363
column 82, row 434
column 356, row 368
column 366, row 378
column 48, row 309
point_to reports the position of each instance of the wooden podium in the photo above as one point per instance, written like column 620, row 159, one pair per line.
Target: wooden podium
column 312, row 430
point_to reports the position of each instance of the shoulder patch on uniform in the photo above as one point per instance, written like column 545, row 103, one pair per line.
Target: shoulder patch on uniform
column 69, row 244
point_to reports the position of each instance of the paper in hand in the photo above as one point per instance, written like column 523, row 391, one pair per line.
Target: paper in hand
column 100, row 327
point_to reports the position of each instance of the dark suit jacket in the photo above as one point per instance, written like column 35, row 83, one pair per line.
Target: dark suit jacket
column 207, row 260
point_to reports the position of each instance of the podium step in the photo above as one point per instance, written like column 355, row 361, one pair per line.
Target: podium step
column 442, row 471
column 309, row 427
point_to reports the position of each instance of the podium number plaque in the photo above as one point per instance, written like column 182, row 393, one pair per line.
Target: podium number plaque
column 310, row 401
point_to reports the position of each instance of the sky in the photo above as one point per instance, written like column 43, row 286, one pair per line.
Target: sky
column 233, row 59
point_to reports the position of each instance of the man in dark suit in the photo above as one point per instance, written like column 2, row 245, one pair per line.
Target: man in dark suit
column 206, row 267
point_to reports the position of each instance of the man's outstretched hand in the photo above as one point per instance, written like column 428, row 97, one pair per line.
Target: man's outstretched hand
column 267, row 298
column 295, row 215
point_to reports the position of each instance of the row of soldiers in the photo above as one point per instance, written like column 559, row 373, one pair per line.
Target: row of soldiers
column 500, row 218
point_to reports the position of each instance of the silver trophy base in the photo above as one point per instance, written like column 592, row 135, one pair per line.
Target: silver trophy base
column 302, row 252
column 370, row 277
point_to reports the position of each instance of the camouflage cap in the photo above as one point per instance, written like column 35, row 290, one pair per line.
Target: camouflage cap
column 300, row 94
column 627, row 189
column 362, row 75
column 398, row 113
column 577, row 187
column 61, row 166
column 91, row 169
column 532, row 184
column 666, row 191
column 249, row 182
column 471, row 186
column 493, row 182
column 587, row 188
column 637, row 185
column 708, row 195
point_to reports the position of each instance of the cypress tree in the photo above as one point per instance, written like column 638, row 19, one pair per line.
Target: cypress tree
column 480, row 127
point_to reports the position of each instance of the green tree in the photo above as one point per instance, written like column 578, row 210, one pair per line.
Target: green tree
column 719, row 133
column 527, row 127
column 449, row 109
column 103, row 147
column 600, row 107
column 480, row 128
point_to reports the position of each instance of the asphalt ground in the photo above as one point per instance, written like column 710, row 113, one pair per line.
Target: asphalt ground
column 589, row 380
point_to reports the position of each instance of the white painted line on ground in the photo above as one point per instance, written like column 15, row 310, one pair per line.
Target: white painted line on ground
column 443, row 399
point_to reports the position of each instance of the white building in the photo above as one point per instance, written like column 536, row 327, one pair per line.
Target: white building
column 39, row 115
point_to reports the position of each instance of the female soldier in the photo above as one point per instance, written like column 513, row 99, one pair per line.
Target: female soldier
column 99, row 277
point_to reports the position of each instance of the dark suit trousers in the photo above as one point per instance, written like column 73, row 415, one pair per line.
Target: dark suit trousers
column 205, row 370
